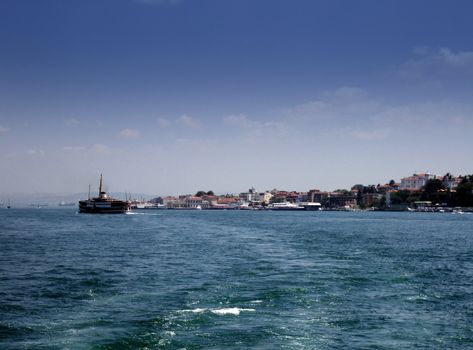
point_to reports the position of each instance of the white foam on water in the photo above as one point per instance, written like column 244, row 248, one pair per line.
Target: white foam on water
column 196, row 311
column 135, row 213
column 256, row 301
column 170, row 333
column 224, row 311
column 230, row 311
column 418, row 297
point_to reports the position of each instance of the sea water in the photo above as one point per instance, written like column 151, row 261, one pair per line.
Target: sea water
column 235, row 280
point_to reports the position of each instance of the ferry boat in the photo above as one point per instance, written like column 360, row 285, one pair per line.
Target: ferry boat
column 103, row 204
column 285, row 206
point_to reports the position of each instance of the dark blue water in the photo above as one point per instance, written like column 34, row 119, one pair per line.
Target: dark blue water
column 235, row 280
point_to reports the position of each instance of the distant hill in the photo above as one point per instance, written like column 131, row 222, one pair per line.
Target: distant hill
column 53, row 199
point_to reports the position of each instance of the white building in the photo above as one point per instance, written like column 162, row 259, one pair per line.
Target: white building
column 416, row 181
column 265, row 197
column 249, row 196
column 196, row 202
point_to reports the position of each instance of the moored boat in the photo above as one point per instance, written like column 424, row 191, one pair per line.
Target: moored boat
column 147, row 206
column 103, row 204
column 311, row 206
column 285, row 206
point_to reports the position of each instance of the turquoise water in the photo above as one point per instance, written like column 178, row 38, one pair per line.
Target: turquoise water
column 235, row 280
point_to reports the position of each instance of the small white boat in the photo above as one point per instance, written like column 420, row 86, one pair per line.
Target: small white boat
column 312, row 206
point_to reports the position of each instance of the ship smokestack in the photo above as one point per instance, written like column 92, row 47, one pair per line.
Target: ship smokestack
column 100, row 187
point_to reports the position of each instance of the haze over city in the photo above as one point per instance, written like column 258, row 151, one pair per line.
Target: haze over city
column 168, row 96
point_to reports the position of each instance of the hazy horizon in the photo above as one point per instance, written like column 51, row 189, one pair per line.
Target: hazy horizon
column 120, row 192
column 171, row 97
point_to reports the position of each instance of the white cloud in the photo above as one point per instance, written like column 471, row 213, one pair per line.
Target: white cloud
column 355, row 114
column 129, row 133
column 101, row 149
column 316, row 106
column 240, row 121
column 422, row 114
column 430, row 63
column 163, row 122
column 74, row 148
column 256, row 128
column 347, row 93
column 345, row 103
column 71, row 122
column 35, row 152
column 458, row 59
column 3, row 129
column 188, row 121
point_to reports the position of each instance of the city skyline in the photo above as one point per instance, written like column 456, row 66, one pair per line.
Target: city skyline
column 170, row 97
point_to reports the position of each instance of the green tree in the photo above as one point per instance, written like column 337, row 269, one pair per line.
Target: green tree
column 464, row 194
column 359, row 193
column 405, row 197
column 435, row 192
column 343, row 191
column 433, row 186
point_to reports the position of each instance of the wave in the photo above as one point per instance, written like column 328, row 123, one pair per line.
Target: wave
column 224, row 311
column 136, row 213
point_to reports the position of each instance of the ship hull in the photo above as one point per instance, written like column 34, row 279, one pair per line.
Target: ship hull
column 287, row 209
column 103, row 207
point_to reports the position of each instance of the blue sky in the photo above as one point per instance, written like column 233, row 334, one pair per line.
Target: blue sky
column 173, row 96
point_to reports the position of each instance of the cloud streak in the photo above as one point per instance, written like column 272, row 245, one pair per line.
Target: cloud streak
column 163, row 122
column 74, row 148
column 430, row 63
column 35, row 152
column 101, row 149
column 188, row 121
column 71, row 122
column 240, row 121
column 129, row 133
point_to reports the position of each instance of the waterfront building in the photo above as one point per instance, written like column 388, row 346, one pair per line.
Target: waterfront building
column 265, row 197
column 451, row 182
column 316, row 196
column 250, row 196
column 279, row 197
column 169, row 201
column 416, row 181
column 369, row 199
column 172, row 202
column 211, row 199
column 340, row 200
column 194, row 202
